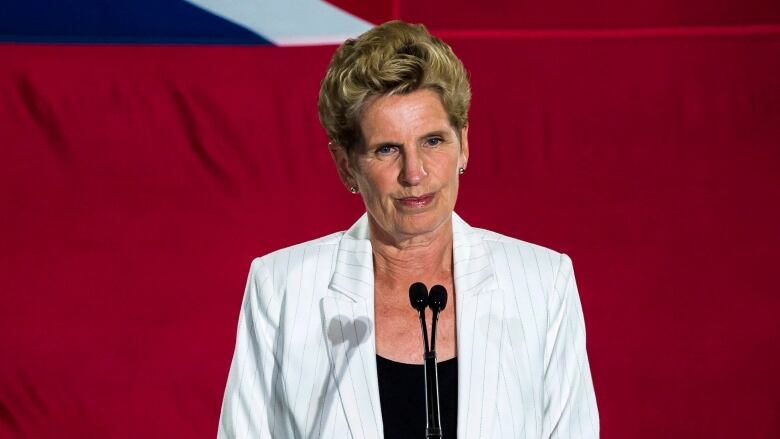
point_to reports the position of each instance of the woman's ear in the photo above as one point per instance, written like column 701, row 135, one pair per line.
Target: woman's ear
column 341, row 160
column 464, row 147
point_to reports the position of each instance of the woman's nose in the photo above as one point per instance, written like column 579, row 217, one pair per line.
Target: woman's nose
column 413, row 171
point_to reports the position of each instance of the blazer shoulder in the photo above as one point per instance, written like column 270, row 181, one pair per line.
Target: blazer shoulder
column 294, row 257
column 497, row 242
column 516, row 259
column 326, row 241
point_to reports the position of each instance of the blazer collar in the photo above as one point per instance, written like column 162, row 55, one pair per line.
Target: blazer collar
column 473, row 269
column 353, row 274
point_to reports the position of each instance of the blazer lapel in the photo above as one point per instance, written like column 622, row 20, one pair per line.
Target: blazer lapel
column 348, row 322
column 480, row 330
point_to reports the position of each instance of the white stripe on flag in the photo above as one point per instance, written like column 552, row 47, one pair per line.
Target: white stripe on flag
column 289, row 22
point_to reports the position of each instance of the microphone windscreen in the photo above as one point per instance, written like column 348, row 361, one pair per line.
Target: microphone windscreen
column 437, row 300
column 418, row 296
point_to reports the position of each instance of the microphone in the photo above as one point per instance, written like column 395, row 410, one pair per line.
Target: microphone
column 418, row 296
column 437, row 299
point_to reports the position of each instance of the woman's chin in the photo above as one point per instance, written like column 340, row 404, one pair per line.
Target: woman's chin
column 420, row 223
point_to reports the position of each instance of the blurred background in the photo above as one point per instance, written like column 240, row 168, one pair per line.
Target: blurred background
column 151, row 149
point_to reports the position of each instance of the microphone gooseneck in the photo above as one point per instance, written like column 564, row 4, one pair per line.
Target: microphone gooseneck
column 437, row 300
column 418, row 296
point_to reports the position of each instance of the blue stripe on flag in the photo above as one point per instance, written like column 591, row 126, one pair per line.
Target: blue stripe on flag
column 120, row 21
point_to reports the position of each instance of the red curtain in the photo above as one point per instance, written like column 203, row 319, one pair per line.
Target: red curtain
column 138, row 182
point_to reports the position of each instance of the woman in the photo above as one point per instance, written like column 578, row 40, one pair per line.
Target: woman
column 328, row 345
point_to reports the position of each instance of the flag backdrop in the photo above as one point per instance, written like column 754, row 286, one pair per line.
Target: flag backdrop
column 150, row 149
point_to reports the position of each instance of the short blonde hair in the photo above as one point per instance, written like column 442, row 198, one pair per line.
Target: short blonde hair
column 392, row 58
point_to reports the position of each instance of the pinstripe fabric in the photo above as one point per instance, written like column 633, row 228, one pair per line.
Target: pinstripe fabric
column 304, row 364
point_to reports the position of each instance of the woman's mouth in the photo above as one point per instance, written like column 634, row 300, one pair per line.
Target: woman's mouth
column 416, row 202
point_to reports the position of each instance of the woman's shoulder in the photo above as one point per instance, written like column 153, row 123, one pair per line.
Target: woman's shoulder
column 515, row 254
column 298, row 255
column 531, row 271
column 498, row 242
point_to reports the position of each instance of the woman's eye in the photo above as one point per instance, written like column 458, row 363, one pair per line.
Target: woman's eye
column 385, row 150
column 434, row 141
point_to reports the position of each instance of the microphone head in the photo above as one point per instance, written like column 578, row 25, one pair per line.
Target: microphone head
column 437, row 300
column 418, row 296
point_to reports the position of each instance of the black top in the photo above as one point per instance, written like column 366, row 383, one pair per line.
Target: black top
column 402, row 396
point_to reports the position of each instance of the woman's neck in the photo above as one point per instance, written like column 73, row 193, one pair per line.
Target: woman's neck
column 426, row 258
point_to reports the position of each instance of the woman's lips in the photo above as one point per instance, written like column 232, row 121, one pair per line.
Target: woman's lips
column 421, row 201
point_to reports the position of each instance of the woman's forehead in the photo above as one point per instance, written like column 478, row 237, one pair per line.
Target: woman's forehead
column 402, row 116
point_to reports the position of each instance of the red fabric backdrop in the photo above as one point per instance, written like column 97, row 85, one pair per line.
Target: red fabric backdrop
column 138, row 182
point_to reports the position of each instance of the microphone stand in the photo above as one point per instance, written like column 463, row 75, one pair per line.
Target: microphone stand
column 418, row 295
column 433, row 424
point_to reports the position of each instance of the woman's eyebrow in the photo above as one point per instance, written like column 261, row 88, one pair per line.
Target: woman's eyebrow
column 435, row 133
column 384, row 143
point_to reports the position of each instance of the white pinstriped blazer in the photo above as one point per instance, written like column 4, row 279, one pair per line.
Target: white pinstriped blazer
column 305, row 358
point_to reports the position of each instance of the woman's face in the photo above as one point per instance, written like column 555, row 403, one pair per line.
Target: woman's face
column 407, row 170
